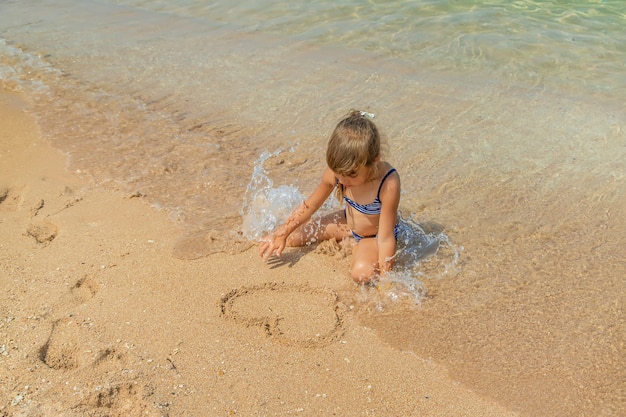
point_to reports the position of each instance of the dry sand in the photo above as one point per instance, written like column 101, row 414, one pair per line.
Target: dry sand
column 97, row 318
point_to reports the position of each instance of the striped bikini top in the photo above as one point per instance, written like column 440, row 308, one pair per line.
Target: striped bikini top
column 374, row 207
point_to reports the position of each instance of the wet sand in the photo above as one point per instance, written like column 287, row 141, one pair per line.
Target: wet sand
column 99, row 318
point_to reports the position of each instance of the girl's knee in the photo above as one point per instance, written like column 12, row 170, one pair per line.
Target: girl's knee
column 363, row 272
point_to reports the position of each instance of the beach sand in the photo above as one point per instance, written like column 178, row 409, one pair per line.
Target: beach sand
column 97, row 318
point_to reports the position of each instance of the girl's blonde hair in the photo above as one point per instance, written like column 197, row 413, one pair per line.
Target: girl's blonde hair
column 355, row 143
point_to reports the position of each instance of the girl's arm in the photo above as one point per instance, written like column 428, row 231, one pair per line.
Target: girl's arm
column 390, row 199
column 300, row 215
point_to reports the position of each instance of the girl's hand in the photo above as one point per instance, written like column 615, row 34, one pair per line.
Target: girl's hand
column 268, row 247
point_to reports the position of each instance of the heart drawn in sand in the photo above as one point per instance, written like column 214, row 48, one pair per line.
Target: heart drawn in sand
column 289, row 314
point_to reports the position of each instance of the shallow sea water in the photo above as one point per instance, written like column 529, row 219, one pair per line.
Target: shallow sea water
column 506, row 121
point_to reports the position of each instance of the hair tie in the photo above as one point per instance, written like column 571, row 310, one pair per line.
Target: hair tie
column 366, row 114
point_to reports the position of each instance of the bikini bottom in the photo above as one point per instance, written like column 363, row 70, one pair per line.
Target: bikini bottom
column 357, row 237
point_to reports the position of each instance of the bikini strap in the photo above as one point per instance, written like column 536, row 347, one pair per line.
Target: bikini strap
column 391, row 171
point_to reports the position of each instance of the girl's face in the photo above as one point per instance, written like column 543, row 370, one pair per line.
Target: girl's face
column 361, row 176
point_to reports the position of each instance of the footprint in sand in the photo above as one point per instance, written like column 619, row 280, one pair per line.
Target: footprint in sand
column 289, row 314
column 82, row 291
column 72, row 345
column 11, row 197
column 122, row 399
column 44, row 232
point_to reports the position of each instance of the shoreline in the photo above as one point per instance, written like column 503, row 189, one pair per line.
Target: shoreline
column 99, row 317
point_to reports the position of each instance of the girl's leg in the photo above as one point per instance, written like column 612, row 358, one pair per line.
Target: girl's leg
column 329, row 226
column 364, row 260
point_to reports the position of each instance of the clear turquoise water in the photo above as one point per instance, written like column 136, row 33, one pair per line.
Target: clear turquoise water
column 568, row 43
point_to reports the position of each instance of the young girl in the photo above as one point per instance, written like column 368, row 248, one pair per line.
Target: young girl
column 371, row 189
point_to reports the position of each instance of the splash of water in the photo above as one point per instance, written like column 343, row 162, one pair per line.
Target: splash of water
column 416, row 247
column 266, row 207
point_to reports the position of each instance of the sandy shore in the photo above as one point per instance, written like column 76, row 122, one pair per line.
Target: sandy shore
column 97, row 318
